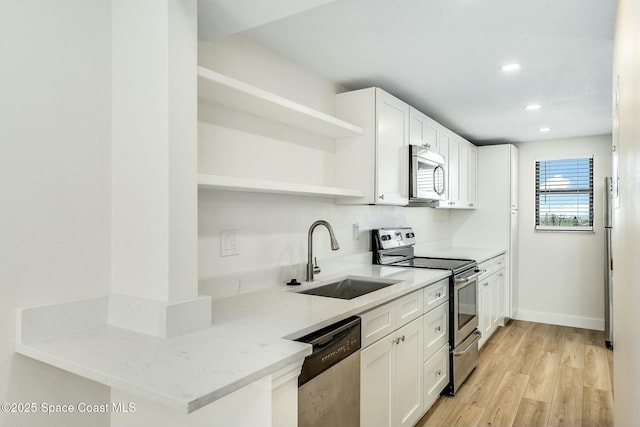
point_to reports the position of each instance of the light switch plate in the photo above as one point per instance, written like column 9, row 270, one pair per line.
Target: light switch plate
column 229, row 243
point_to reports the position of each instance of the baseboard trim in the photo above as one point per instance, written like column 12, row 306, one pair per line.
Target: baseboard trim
column 560, row 319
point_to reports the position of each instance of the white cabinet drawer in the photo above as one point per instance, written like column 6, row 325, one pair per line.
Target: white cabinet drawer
column 498, row 263
column 378, row 322
column 408, row 308
column 436, row 294
column 436, row 376
column 436, row 329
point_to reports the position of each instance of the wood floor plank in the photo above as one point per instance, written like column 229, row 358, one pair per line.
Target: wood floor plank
column 439, row 412
column 542, row 378
column 553, row 339
column 595, row 338
column 532, row 413
column 596, row 368
column 566, row 405
column 597, row 408
column 513, row 337
column 526, row 355
column 573, row 349
column 502, row 410
column 483, row 386
column 464, row 415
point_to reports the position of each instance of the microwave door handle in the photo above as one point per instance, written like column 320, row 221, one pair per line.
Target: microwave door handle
column 435, row 180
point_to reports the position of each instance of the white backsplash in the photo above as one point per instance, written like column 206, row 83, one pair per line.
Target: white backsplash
column 272, row 237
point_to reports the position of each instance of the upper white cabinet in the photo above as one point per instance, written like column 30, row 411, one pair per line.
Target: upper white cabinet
column 462, row 166
column 513, row 169
column 378, row 161
column 423, row 130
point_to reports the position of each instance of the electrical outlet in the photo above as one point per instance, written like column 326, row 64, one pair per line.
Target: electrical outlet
column 229, row 244
column 356, row 231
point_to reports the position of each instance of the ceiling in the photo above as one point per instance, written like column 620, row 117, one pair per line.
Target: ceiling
column 444, row 57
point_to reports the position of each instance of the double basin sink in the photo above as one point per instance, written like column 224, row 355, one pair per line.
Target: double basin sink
column 350, row 287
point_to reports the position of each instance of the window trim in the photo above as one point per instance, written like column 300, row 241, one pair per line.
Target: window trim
column 590, row 191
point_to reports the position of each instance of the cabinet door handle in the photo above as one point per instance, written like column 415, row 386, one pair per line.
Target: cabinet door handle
column 381, row 197
column 438, row 329
column 438, row 295
column 439, row 372
column 402, row 338
column 470, row 205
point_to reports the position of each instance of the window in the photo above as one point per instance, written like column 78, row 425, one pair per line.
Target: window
column 564, row 194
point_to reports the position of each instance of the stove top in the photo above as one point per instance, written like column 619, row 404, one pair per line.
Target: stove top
column 394, row 246
column 438, row 263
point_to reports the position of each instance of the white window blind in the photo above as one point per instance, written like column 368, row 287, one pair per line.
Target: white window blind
column 564, row 194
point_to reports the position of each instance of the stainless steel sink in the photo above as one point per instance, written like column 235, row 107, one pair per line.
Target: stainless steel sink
column 350, row 287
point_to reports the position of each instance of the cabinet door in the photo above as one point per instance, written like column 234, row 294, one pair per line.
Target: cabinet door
column 392, row 151
column 454, row 171
column 501, row 298
column 484, row 320
column 409, row 365
column 513, row 154
column 436, row 329
column 422, row 130
column 377, row 382
column 436, row 375
column 495, row 309
column 472, row 176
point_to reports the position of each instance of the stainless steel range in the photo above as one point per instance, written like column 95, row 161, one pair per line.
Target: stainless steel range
column 394, row 246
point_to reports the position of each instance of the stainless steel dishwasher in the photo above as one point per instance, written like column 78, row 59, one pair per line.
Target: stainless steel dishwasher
column 329, row 384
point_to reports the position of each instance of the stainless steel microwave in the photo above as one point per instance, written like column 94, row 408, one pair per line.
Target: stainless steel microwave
column 427, row 176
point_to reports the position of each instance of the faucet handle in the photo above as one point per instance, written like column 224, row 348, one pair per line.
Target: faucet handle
column 316, row 267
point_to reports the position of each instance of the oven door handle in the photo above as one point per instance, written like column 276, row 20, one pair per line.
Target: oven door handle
column 467, row 279
column 467, row 348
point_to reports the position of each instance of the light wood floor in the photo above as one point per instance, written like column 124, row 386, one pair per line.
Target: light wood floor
column 533, row 374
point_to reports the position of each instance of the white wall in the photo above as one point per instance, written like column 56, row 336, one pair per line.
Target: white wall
column 54, row 180
column 626, row 232
column 272, row 229
column 561, row 274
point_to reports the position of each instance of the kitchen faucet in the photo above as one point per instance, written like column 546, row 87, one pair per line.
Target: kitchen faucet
column 311, row 269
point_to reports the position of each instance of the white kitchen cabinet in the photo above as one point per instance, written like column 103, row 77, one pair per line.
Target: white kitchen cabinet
column 390, row 378
column 435, row 375
column 399, row 339
column 491, row 288
column 377, row 377
column 462, row 164
column 436, row 329
column 423, row 130
column 471, row 193
column 376, row 162
column 453, row 169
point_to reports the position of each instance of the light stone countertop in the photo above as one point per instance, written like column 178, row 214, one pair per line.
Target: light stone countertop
column 246, row 341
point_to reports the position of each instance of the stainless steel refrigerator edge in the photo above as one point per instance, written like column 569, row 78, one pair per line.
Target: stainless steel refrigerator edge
column 608, row 268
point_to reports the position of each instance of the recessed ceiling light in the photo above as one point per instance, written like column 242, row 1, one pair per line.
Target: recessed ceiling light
column 532, row 107
column 511, row 67
column 545, row 129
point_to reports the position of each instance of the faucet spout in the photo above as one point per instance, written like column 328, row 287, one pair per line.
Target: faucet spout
column 311, row 269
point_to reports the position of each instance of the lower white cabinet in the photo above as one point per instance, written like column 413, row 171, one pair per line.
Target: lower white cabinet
column 390, row 378
column 492, row 292
column 404, row 363
column 436, row 375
